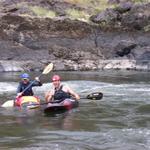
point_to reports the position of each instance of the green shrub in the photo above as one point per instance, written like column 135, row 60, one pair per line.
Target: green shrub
column 77, row 14
column 147, row 28
column 43, row 12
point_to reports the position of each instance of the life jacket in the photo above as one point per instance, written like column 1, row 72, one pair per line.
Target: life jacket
column 60, row 95
column 29, row 91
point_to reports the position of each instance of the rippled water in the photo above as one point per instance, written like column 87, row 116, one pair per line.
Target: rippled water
column 120, row 121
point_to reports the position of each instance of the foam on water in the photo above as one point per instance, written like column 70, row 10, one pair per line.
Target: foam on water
column 86, row 87
column 7, row 87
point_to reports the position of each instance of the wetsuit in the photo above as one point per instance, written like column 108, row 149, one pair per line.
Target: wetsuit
column 29, row 91
column 60, row 95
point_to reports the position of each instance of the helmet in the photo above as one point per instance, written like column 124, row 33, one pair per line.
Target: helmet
column 56, row 78
column 24, row 76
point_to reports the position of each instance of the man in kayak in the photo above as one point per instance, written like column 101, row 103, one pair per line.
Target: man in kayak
column 26, row 82
column 60, row 92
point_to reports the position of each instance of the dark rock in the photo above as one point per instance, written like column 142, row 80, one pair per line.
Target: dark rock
column 108, row 16
column 126, row 16
column 124, row 48
column 124, row 7
column 137, row 18
column 113, row 1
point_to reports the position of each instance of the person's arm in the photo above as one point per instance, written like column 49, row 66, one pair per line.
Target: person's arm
column 19, row 90
column 74, row 94
column 48, row 96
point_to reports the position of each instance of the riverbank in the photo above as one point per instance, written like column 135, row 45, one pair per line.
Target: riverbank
column 115, row 38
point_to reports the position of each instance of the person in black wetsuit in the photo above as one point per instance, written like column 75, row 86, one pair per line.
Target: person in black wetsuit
column 60, row 92
column 25, row 82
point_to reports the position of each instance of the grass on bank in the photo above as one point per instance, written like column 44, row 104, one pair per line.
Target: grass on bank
column 43, row 12
column 37, row 10
column 147, row 28
column 77, row 14
column 91, row 4
column 99, row 5
column 83, row 2
column 90, row 7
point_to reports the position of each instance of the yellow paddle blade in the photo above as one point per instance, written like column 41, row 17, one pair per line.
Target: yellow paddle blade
column 48, row 68
column 9, row 103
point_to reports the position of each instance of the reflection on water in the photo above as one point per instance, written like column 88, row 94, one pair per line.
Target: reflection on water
column 120, row 121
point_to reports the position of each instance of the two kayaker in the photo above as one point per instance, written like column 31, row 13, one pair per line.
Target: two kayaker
column 60, row 92
column 26, row 82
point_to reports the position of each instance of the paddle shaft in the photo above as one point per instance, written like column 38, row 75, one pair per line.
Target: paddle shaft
column 92, row 96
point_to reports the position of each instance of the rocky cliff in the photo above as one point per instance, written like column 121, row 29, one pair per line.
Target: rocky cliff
column 116, row 38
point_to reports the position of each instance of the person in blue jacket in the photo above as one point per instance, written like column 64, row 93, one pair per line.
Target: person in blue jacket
column 24, row 83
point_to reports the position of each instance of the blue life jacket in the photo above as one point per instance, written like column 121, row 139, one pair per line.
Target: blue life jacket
column 29, row 91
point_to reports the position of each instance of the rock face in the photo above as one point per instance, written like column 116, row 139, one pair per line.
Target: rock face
column 118, row 39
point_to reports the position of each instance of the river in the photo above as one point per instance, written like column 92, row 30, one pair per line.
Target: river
column 120, row 121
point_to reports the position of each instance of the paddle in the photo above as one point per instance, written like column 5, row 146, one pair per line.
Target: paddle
column 95, row 96
column 92, row 96
column 46, row 70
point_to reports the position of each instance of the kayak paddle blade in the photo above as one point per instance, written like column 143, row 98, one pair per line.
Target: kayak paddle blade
column 9, row 103
column 95, row 96
column 48, row 68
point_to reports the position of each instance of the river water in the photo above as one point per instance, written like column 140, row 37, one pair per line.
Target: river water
column 120, row 121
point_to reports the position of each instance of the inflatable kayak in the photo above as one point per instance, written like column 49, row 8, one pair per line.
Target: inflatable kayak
column 28, row 102
column 65, row 105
